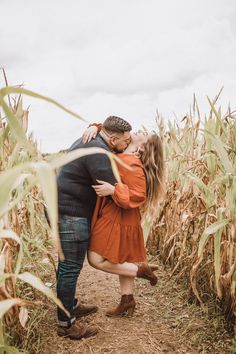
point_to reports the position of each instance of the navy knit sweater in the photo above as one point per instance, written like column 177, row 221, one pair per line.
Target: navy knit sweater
column 76, row 197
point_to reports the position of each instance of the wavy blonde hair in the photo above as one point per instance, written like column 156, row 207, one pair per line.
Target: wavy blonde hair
column 152, row 158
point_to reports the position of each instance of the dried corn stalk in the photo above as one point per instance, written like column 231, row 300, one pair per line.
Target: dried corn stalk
column 27, row 184
column 195, row 232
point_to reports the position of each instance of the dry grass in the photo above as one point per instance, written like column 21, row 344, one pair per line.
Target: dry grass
column 164, row 321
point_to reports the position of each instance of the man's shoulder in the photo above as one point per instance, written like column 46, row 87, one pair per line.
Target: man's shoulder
column 96, row 142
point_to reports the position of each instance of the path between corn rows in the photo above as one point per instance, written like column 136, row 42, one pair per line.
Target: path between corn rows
column 164, row 322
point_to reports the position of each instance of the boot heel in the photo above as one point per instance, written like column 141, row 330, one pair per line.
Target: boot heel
column 125, row 307
column 130, row 311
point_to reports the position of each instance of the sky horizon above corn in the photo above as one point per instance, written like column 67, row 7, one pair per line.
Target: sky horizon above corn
column 125, row 58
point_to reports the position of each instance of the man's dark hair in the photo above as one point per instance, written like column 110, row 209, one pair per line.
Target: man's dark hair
column 115, row 124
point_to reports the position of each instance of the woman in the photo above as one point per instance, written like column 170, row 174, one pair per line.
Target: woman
column 116, row 241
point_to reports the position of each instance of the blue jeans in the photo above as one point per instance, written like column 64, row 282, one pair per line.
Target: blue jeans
column 74, row 234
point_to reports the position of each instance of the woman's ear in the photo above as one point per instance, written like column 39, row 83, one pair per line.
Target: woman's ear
column 140, row 149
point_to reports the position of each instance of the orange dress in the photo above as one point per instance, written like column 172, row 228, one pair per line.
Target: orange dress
column 116, row 232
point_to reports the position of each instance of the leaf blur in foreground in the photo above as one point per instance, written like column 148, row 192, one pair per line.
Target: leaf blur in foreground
column 19, row 90
column 39, row 285
column 5, row 305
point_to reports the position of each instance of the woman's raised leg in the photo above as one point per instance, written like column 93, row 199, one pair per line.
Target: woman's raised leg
column 126, row 269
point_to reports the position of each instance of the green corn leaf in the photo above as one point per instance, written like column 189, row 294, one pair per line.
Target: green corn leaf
column 218, row 117
column 115, row 171
column 59, row 161
column 2, row 341
column 216, row 226
column 146, row 226
column 8, row 180
column 23, row 190
column 5, row 305
column 221, row 152
column 39, row 285
column 210, row 157
column 17, row 90
column 232, row 197
column 206, row 191
column 213, row 228
column 16, row 127
column 221, row 180
column 10, row 350
column 217, row 259
column 176, row 145
column 47, row 181
column 13, row 158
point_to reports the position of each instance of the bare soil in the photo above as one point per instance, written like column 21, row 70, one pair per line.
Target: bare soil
column 163, row 322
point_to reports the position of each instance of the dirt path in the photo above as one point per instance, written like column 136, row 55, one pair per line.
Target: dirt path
column 163, row 322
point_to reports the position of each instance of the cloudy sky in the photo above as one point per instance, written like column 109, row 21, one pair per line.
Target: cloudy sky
column 119, row 57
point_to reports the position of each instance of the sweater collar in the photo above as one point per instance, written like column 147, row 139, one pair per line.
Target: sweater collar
column 104, row 142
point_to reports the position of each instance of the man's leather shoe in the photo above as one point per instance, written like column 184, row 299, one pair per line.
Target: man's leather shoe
column 84, row 310
column 77, row 331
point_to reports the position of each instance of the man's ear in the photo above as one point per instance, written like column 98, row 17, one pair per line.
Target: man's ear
column 112, row 141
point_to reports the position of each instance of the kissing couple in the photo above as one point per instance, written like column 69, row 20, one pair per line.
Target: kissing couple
column 102, row 218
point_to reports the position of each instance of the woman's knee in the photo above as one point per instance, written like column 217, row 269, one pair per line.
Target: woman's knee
column 95, row 260
column 90, row 259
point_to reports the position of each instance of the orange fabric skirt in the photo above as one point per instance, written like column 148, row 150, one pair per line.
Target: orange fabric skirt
column 117, row 234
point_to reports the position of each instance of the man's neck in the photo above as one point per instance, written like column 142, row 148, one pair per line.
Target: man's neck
column 105, row 138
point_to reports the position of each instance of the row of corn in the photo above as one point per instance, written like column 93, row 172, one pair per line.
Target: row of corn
column 28, row 186
column 195, row 231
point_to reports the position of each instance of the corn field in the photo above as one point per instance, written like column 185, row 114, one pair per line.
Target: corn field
column 28, row 185
column 195, row 231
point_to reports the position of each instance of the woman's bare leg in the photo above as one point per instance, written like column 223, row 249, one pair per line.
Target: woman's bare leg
column 126, row 285
column 125, row 269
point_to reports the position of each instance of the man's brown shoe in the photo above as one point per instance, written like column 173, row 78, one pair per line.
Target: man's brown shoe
column 84, row 310
column 77, row 331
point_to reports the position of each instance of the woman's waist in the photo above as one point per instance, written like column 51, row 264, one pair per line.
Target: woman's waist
column 112, row 211
column 125, row 221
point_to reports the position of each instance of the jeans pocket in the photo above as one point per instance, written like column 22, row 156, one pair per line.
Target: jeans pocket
column 83, row 229
column 72, row 228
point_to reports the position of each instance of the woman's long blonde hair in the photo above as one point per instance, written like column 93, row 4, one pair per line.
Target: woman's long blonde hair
column 152, row 158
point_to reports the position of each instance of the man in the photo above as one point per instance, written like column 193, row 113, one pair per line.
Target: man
column 76, row 202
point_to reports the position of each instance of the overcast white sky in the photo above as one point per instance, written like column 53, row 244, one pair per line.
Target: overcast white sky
column 117, row 57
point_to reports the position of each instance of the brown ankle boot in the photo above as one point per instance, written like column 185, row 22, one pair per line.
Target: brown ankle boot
column 77, row 331
column 125, row 307
column 145, row 272
column 84, row 310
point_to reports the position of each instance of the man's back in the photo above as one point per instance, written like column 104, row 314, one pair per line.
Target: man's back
column 76, row 197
